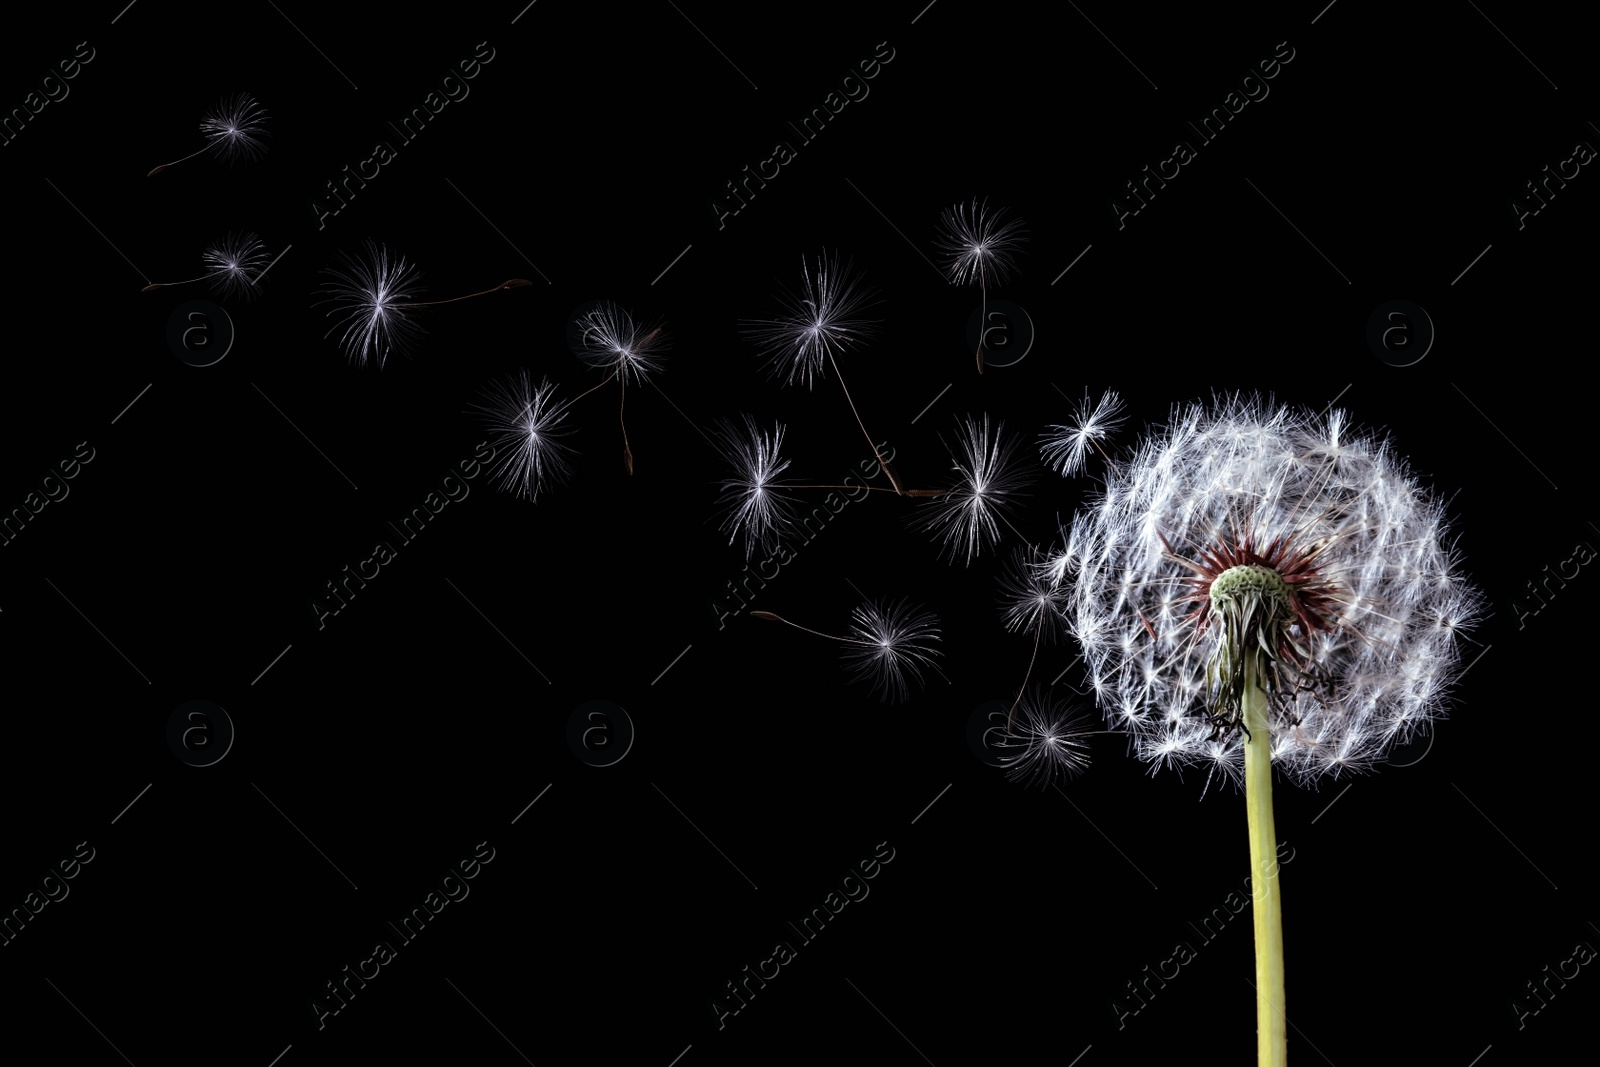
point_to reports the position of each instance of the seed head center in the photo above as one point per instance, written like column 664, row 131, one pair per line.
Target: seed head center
column 1248, row 580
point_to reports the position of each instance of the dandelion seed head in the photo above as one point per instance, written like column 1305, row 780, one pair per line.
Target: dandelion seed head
column 752, row 501
column 891, row 642
column 1246, row 524
column 526, row 428
column 977, row 246
column 824, row 319
column 370, row 294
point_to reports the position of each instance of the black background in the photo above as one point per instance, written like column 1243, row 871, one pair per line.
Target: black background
column 374, row 752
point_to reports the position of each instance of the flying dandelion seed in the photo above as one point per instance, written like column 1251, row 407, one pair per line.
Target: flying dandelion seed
column 609, row 339
column 978, row 247
column 235, row 263
column 1032, row 599
column 1047, row 741
column 754, row 501
column 1260, row 587
column 820, row 321
column 993, row 475
column 894, row 641
column 890, row 644
column 236, row 129
column 526, row 429
column 1066, row 446
column 751, row 500
column 816, row 325
column 373, row 296
column 606, row 337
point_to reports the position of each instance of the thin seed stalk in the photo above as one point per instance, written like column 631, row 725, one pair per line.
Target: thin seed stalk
column 1267, row 905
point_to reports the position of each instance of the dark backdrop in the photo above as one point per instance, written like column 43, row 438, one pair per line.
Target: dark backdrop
column 374, row 748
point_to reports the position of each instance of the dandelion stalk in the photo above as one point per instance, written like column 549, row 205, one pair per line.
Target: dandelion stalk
column 1260, row 588
column 1266, row 904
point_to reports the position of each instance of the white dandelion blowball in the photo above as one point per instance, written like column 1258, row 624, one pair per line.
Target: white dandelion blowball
column 1246, row 529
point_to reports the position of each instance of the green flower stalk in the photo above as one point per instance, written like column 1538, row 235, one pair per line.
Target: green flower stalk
column 1260, row 590
column 1266, row 901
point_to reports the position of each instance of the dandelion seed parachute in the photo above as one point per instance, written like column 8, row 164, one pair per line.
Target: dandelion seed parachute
column 372, row 297
column 610, row 339
column 1031, row 598
column 236, row 129
column 526, row 428
column 1048, row 739
column 992, row 477
column 977, row 245
column 751, row 500
column 1065, row 447
column 824, row 319
column 235, row 263
column 891, row 642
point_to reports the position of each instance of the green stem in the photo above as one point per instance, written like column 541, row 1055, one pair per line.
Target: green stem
column 1267, row 906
